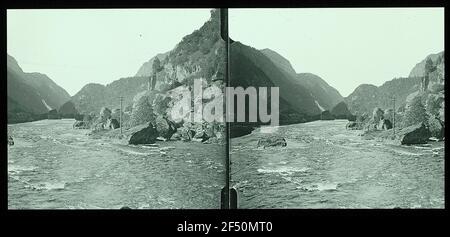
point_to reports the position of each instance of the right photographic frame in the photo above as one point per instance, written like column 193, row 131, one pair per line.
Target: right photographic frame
column 337, row 108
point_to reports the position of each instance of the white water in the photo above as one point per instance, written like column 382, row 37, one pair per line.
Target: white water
column 326, row 166
column 52, row 165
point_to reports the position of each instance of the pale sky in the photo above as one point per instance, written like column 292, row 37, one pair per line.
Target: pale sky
column 76, row 47
column 346, row 47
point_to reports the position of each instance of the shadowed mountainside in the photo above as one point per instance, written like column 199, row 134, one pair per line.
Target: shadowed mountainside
column 31, row 94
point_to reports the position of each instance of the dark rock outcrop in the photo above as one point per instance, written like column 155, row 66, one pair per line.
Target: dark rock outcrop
column 81, row 125
column 240, row 130
column 147, row 135
column 271, row 142
column 352, row 125
column 415, row 134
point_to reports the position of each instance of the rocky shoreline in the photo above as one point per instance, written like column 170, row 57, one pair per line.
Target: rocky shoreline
column 412, row 135
column 163, row 130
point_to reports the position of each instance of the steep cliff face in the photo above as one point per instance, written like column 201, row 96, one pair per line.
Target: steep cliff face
column 146, row 69
column 32, row 92
column 419, row 69
column 200, row 55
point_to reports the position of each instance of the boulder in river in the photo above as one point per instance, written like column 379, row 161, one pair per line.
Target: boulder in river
column 240, row 130
column 147, row 135
column 176, row 136
column 81, row 125
column 186, row 134
column 200, row 135
column 415, row 134
column 272, row 141
column 354, row 125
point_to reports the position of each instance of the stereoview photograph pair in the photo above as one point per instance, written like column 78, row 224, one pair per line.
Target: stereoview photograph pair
column 306, row 108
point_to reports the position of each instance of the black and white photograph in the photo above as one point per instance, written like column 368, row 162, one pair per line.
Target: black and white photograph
column 94, row 118
column 217, row 108
column 361, row 108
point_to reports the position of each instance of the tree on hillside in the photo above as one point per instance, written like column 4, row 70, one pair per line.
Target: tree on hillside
column 426, row 77
column 116, row 114
column 160, row 104
column 143, row 110
column 377, row 114
column 389, row 114
column 433, row 105
column 156, row 66
column 428, row 66
column 105, row 113
column 415, row 112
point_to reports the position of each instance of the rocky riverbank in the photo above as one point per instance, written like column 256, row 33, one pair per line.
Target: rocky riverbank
column 53, row 166
column 325, row 165
column 415, row 134
column 163, row 130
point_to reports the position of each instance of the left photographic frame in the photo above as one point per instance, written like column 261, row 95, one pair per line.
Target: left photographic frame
column 106, row 107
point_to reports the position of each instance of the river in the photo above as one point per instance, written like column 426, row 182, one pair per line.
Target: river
column 326, row 166
column 52, row 166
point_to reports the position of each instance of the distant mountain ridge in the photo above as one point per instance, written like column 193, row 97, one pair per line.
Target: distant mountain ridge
column 303, row 96
column 33, row 93
column 198, row 55
column 251, row 67
column 366, row 97
column 325, row 95
column 94, row 96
